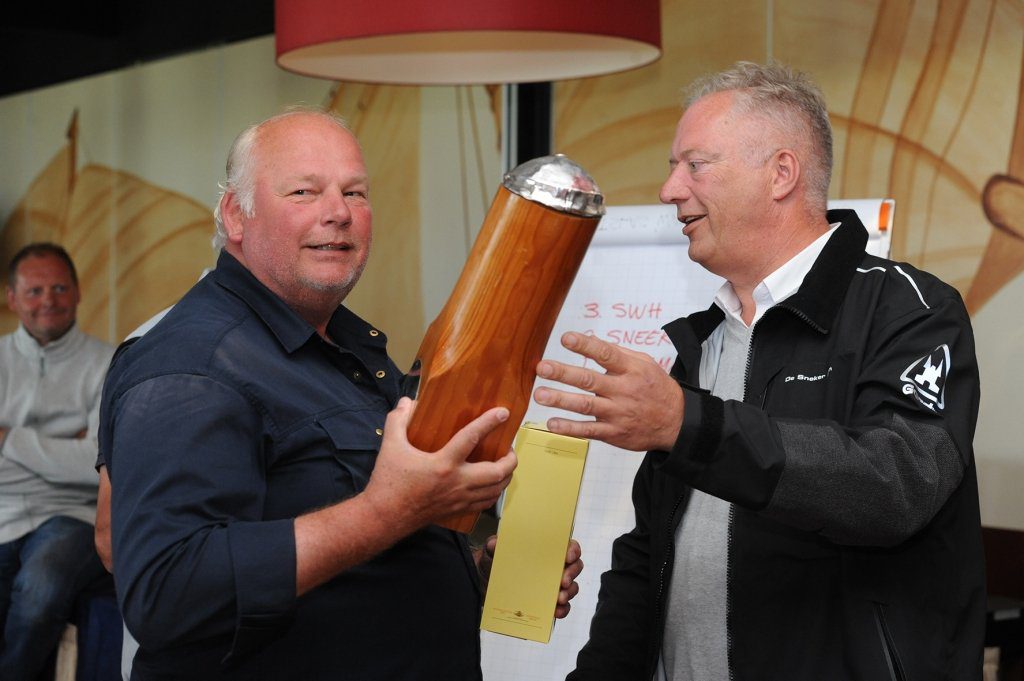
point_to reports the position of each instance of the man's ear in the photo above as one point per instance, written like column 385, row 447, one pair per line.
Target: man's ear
column 231, row 216
column 785, row 173
column 10, row 298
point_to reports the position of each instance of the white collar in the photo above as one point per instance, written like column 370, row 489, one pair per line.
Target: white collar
column 777, row 286
column 28, row 346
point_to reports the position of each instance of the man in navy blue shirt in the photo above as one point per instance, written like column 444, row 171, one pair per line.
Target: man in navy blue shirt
column 269, row 517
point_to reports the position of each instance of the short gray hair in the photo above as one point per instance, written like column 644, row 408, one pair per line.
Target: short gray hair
column 241, row 165
column 777, row 92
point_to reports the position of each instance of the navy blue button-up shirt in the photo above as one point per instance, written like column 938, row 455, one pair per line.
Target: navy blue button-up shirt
column 220, row 426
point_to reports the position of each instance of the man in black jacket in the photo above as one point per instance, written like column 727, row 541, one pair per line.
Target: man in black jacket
column 808, row 506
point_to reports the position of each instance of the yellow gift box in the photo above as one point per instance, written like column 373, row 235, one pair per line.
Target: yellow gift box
column 533, row 534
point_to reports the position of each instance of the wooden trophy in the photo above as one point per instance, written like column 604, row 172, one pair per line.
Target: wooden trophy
column 483, row 348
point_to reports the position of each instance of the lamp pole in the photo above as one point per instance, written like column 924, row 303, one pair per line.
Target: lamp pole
column 528, row 123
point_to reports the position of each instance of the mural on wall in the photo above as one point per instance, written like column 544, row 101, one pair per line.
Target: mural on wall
column 139, row 244
column 113, row 224
column 916, row 91
column 1003, row 203
column 925, row 98
column 926, row 103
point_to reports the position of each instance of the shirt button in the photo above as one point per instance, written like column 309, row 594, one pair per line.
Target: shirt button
column 379, row 431
column 356, row 375
column 381, row 374
column 374, row 332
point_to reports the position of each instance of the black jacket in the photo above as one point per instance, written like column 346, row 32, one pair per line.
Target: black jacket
column 855, row 537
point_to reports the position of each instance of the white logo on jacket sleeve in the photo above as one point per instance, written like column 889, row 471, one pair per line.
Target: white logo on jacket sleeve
column 926, row 378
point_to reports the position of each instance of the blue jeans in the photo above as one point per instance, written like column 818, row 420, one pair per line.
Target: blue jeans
column 41, row 575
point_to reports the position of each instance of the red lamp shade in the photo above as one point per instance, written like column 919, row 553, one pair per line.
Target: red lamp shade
column 448, row 42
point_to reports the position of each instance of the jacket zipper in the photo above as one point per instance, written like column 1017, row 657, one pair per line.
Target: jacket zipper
column 728, row 594
column 669, row 556
column 892, row 658
column 732, row 514
column 804, row 318
column 729, row 533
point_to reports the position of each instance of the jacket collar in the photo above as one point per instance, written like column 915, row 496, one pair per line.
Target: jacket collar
column 825, row 285
column 57, row 349
column 818, row 297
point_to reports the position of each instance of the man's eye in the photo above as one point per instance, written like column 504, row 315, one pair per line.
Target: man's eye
column 695, row 165
column 302, row 192
column 60, row 288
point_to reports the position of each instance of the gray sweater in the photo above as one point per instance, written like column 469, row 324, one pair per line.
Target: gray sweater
column 48, row 395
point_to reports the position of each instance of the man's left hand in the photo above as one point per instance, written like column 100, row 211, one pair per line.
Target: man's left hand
column 635, row 404
column 568, row 587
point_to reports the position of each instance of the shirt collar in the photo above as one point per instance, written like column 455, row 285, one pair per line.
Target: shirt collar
column 291, row 330
column 30, row 347
column 777, row 286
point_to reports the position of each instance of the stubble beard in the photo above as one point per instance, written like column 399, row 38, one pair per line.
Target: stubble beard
column 341, row 287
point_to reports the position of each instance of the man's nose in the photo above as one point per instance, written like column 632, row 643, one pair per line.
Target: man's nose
column 676, row 188
column 337, row 211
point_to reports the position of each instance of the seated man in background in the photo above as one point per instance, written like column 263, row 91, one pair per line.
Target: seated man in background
column 269, row 517
column 52, row 377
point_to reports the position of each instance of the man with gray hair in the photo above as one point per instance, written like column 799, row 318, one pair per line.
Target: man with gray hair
column 269, row 517
column 808, row 505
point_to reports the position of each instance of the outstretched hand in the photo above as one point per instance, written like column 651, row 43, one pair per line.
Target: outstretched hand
column 635, row 404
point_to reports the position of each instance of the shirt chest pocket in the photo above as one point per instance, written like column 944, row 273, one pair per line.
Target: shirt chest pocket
column 353, row 440
column 324, row 460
